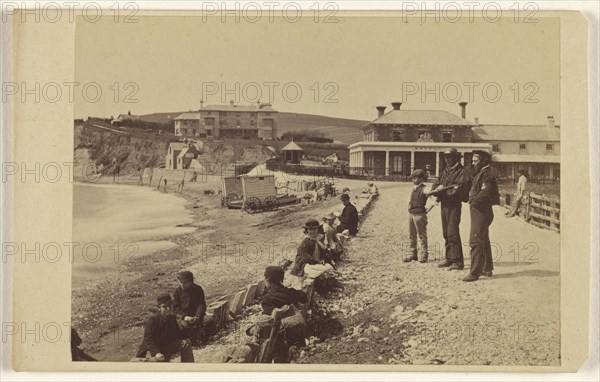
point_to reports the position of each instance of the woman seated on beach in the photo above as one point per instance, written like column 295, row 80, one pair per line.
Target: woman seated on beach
column 312, row 257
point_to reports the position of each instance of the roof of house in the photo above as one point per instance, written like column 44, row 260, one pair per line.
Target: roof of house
column 183, row 152
column 516, row 133
column 188, row 115
column 518, row 158
column 123, row 117
column 178, row 145
column 242, row 108
column 292, row 146
column 421, row 117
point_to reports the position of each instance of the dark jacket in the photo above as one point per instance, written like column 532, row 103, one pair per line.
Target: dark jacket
column 416, row 204
column 456, row 175
column 484, row 191
column 278, row 296
column 190, row 302
column 349, row 218
column 160, row 333
column 306, row 255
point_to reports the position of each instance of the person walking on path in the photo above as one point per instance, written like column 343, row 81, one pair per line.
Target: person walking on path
column 417, row 217
column 521, row 186
column 454, row 174
column 483, row 195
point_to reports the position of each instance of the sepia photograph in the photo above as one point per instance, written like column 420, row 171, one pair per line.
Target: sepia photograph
column 299, row 187
column 349, row 190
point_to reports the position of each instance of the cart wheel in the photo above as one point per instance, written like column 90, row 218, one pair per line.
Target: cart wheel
column 252, row 205
column 270, row 203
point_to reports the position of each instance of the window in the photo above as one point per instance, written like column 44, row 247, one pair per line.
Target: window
column 447, row 136
column 397, row 136
column 522, row 146
column 496, row 147
column 237, row 123
column 549, row 147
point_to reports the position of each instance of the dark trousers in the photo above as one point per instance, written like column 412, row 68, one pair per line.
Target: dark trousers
column 479, row 241
column 451, row 231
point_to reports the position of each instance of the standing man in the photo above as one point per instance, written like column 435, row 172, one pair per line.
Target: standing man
column 454, row 174
column 483, row 195
column 520, row 193
column 190, row 306
column 349, row 217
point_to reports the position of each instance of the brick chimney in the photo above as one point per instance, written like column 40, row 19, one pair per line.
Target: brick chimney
column 550, row 122
column 463, row 109
column 380, row 110
column 396, row 105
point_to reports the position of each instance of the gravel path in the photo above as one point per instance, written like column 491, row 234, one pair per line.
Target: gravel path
column 394, row 312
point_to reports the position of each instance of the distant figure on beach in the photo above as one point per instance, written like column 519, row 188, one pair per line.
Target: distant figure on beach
column 190, row 309
column 520, row 192
column 165, row 181
column 116, row 173
column 163, row 337
column 194, row 177
column 180, row 186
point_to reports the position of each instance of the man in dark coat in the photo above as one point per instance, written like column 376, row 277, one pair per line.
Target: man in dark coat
column 190, row 306
column 162, row 335
column 349, row 217
column 483, row 195
column 454, row 174
column 277, row 295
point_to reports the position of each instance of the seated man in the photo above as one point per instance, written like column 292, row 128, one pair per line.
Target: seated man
column 162, row 335
column 190, row 308
column 349, row 217
column 332, row 241
column 293, row 328
column 311, row 257
column 277, row 295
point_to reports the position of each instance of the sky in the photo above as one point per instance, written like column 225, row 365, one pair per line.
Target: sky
column 508, row 72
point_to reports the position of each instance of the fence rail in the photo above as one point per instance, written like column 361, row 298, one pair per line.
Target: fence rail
column 543, row 211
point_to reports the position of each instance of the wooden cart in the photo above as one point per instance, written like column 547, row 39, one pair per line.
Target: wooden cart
column 250, row 193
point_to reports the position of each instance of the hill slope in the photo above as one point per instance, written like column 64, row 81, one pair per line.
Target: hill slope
column 344, row 130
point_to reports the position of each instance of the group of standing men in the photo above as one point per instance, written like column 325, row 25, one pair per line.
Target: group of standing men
column 480, row 190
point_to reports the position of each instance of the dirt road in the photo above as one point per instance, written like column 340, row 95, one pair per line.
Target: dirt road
column 413, row 313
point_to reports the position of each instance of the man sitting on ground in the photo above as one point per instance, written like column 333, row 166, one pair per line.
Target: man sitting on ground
column 311, row 257
column 163, row 337
column 349, row 217
column 277, row 295
column 332, row 241
column 190, row 308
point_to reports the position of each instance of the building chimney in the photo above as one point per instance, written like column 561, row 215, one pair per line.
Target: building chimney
column 550, row 123
column 463, row 109
column 396, row 105
column 380, row 110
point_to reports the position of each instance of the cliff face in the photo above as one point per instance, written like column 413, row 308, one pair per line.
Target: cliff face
column 133, row 151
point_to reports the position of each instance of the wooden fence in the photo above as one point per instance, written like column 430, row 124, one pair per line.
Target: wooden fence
column 543, row 211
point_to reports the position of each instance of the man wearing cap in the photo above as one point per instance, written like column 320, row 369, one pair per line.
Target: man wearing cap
column 162, row 335
column 190, row 306
column 417, row 217
column 454, row 174
column 483, row 195
column 349, row 217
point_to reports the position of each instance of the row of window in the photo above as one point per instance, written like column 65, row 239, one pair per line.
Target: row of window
column 522, row 147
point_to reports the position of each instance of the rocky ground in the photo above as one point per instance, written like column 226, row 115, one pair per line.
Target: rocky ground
column 383, row 311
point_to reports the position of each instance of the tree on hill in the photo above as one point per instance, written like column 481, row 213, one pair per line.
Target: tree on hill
column 306, row 135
